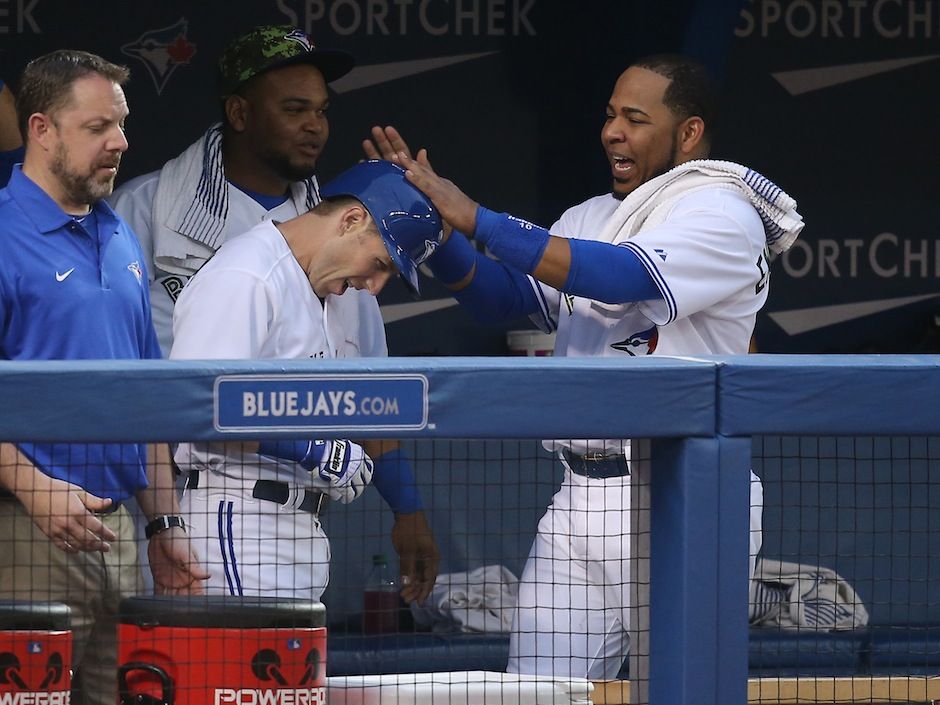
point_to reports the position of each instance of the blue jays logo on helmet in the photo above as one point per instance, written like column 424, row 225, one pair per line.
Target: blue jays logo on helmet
column 406, row 219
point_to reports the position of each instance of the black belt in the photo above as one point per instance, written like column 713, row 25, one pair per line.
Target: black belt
column 597, row 465
column 313, row 502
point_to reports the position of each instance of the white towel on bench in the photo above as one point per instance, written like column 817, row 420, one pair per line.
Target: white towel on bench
column 801, row 596
column 480, row 600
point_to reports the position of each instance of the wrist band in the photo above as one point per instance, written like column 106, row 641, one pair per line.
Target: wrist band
column 162, row 523
column 515, row 241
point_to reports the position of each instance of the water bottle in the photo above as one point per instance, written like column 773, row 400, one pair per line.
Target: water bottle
column 380, row 599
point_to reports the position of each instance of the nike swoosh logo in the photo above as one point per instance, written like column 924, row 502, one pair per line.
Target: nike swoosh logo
column 374, row 74
column 63, row 277
column 804, row 320
column 806, row 80
column 400, row 312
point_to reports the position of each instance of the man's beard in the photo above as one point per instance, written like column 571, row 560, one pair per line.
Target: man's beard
column 80, row 188
column 289, row 171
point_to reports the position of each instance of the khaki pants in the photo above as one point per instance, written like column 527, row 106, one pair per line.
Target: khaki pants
column 91, row 584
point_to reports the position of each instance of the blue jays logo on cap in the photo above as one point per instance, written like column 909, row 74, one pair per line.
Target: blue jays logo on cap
column 301, row 38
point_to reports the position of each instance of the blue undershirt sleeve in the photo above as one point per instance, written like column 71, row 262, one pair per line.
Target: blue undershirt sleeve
column 608, row 273
column 496, row 292
column 394, row 478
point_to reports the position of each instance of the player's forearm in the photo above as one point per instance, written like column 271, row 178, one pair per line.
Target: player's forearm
column 159, row 497
column 490, row 290
column 594, row 270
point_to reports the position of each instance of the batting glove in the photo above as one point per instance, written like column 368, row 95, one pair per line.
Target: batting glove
column 345, row 466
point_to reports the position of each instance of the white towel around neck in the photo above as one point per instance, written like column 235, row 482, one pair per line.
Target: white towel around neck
column 650, row 203
column 190, row 206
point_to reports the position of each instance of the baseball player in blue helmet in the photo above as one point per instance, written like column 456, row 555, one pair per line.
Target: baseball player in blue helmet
column 279, row 291
column 407, row 221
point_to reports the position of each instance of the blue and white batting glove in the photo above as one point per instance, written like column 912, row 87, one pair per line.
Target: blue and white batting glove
column 344, row 465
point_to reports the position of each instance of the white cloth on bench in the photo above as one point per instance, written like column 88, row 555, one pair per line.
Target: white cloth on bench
column 801, row 596
column 480, row 600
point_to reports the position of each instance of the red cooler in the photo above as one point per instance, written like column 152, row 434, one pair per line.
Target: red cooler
column 221, row 650
column 35, row 653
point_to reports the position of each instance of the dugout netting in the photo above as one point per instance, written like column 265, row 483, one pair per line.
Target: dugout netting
column 838, row 505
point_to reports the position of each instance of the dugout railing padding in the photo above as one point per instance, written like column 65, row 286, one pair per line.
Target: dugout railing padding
column 700, row 414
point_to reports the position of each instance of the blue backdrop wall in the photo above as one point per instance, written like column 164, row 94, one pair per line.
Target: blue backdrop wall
column 832, row 99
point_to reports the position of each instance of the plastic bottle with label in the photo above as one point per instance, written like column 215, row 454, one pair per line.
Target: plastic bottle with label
column 380, row 599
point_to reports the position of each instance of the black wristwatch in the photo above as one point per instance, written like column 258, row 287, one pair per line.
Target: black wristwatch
column 163, row 523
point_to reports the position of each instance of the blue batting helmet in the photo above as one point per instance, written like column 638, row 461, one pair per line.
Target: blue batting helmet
column 406, row 219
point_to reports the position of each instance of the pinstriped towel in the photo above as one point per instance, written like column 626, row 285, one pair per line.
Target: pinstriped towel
column 799, row 596
column 649, row 204
column 190, row 206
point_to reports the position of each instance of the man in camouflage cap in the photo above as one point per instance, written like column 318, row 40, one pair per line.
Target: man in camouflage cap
column 258, row 164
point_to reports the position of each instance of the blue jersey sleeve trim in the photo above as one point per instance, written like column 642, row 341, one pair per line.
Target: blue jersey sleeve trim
column 658, row 279
column 543, row 317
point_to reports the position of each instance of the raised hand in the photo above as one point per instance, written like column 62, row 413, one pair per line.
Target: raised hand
column 458, row 209
column 386, row 142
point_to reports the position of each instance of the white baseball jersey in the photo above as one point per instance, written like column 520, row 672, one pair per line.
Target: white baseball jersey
column 707, row 259
column 253, row 300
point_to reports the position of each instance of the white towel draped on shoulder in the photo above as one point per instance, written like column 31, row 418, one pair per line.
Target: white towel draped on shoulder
column 481, row 600
column 191, row 205
column 650, row 203
column 800, row 596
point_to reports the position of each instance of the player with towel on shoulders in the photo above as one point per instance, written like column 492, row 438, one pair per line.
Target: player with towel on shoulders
column 673, row 261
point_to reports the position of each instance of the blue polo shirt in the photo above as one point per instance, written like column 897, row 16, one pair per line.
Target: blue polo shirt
column 71, row 293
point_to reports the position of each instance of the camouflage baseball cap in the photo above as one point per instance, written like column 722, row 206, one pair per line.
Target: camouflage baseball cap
column 273, row 46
